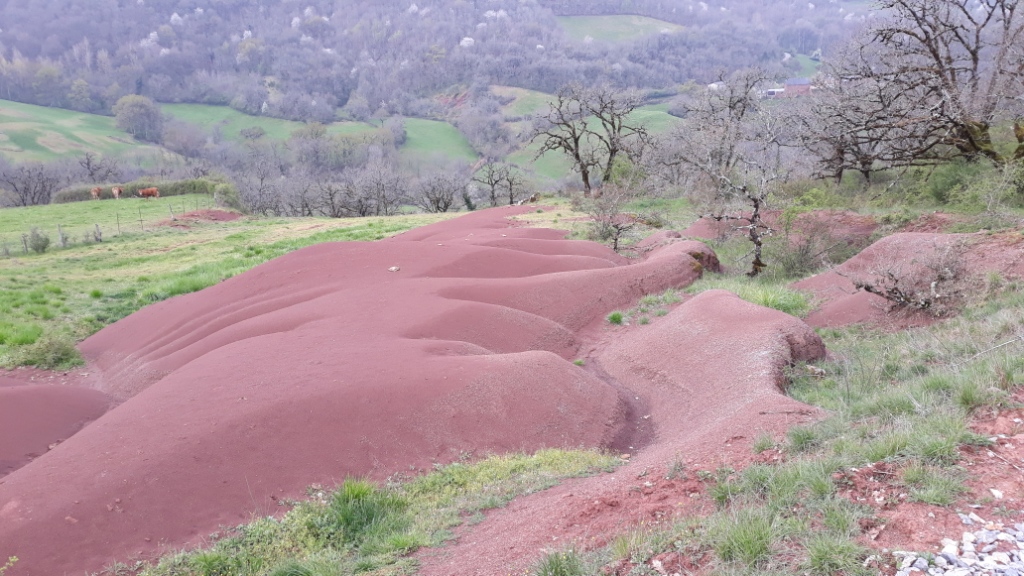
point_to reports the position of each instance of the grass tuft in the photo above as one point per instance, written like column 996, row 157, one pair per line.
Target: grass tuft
column 746, row 536
column 765, row 292
column 563, row 563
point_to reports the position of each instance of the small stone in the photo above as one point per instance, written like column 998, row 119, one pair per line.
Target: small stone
column 968, row 548
column 997, row 494
column 1001, row 557
column 976, row 518
column 1011, row 572
column 907, row 562
column 921, row 564
column 394, row 269
column 941, row 562
column 988, row 548
column 966, row 520
column 968, row 538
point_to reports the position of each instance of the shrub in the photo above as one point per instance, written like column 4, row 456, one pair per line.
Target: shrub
column 38, row 241
column 615, row 318
column 50, row 352
column 167, row 188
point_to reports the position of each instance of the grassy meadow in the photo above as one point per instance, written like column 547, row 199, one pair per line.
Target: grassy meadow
column 430, row 140
column 38, row 133
column 618, row 28
column 230, row 122
column 64, row 294
column 524, row 102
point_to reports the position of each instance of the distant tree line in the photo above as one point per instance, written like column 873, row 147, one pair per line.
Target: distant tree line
column 375, row 58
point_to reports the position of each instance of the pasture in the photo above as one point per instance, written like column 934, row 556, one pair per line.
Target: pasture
column 618, row 28
column 38, row 133
column 428, row 141
column 230, row 122
column 808, row 67
column 655, row 117
column 524, row 102
column 72, row 292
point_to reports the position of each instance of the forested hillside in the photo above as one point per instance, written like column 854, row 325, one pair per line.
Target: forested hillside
column 303, row 60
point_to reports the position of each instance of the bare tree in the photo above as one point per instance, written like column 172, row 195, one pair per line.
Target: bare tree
column 438, row 192
column 381, row 188
column 260, row 179
column 99, row 168
column 591, row 126
column 734, row 145
column 501, row 180
column 932, row 79
column 31, row 183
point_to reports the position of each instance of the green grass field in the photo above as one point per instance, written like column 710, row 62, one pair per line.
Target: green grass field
column 38, row 133
column 655, row 117
column 525, row 103
column 427, row 141
column 808, row 67
column 73, row 292
column 231, row 122
column 618, row 28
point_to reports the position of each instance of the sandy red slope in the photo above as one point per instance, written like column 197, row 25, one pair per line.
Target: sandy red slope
column 323, row 364
column 909, row 255
column 710, row 375
column 34, row 418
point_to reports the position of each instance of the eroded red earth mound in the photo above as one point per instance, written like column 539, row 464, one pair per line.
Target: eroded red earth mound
column 347, row 359
column 914, row 259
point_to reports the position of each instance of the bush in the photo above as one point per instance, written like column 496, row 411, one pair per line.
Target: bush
column 226, row 195
column 50, row 352
column 167, row 188
column 38, row 241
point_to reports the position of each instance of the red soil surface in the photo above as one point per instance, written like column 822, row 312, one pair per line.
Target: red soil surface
column 708, row 377
column 365, row 359
column 917, row 527
column 907, row 254
column 206, row 215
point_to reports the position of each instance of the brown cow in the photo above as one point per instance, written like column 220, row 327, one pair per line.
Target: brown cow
column 116, row 191
column 95, row 193
column 149, row 193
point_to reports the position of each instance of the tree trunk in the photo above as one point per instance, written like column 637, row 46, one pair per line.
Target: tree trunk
column 1018, row 132
column 585, row 175
column 607, row 176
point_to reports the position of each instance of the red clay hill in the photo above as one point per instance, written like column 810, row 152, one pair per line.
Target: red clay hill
column 363, row 359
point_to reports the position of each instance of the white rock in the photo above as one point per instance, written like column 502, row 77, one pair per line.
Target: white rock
column 996, row 493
